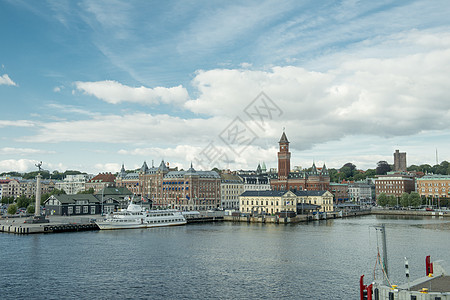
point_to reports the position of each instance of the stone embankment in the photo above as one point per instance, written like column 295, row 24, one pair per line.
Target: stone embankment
column 417, row 213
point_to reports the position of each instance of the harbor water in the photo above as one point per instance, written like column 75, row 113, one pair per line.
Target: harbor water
column 316, row 260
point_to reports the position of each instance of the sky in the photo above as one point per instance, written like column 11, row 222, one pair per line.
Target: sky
column 91, row 85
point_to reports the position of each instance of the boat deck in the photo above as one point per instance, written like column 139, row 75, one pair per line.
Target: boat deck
column 439, row 284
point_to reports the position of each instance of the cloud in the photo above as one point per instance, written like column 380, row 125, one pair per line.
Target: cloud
column 182, row 156
column 58, row 89
column 21, row 165
column 17, row 123
column 108, row 167
column 129, row 128
column 5, row 80
column 22, row 151
column 382, row 96
column 114, row 92
column 71, row 109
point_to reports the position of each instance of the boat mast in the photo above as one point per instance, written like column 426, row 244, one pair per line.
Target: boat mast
column 383, row 240
column 382, row 228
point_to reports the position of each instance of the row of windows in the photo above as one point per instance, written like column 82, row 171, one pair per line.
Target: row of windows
column 434, row 184
column 431, row 190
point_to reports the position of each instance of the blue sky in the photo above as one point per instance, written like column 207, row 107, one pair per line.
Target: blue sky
column 89, row 85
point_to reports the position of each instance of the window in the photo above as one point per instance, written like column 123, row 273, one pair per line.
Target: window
column 77, row 209
column 92, row 210
column 85, row 209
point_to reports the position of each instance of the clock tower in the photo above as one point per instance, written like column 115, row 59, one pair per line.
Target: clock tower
column 284, row 158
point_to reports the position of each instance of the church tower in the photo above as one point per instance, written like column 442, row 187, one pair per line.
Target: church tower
column 284, row 158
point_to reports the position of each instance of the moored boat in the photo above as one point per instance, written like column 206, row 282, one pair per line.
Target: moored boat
column 134, row 216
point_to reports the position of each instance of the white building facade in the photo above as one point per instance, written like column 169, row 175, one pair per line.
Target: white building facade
column 73, row 184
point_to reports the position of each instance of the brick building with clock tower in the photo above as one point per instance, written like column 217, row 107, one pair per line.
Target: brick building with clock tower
column 285, row 179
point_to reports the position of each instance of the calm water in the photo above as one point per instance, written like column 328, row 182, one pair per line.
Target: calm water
column 319, row 260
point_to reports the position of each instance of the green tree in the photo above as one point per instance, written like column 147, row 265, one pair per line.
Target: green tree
column 334, row 177
column 382, row 199
column 30, row 209
column 415, row 199
column 23, row 201
column 12, row 208
column 7, row 200
column 404, row 200
column 382, row 167
column 348, row 171
column 392, row 200
column 370, row 173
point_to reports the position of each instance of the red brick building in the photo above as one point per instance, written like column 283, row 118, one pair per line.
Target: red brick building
column 394, row 184
column 191, row 190
column 316, row 180
column 101, row 181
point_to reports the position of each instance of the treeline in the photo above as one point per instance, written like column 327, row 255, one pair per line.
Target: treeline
column 443, row 168
column 350, row 172
column 56, row 175
column 409, row 200
column 23, row 201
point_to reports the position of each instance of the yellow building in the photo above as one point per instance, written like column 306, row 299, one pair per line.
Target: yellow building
column 437, row 186
column 272, row 202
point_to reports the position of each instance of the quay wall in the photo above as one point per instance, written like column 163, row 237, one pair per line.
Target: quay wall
column 418, row 213
column 297, row 219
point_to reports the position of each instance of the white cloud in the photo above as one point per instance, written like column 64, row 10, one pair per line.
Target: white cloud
column 71, row 109
column 182, row 156
column 222, row 26
column 58, row 89
column 384, row 97
column 21, row 165
column 108, row 167
column 22, row 151
column 130, row 128
column 5, row 80
column 18, row 123
column 114, row 92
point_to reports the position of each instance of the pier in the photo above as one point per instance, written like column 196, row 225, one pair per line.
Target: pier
column 297, row 219
column 19, row 225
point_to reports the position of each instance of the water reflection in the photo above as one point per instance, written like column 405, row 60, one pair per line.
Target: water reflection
column 316, row 260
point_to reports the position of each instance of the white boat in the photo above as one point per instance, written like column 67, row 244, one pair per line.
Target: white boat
column 136, row 217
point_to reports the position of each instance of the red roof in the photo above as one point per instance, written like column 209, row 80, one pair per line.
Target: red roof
column 103, row 177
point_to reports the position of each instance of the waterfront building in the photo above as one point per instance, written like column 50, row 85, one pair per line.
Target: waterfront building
column 28, row 187
column 272, row 202
column 284, row 179
column 399, row 161
column 101, row 181
column 73, row 184
column 151, row 181
column 10, row 188
column 114, row 198
column 255, row 182
column 190, row 190
column 340, row 192
column 105, row 201
column 129, row 181
column 360, row 192
column 231, row 187
column 394, row 184
column 68, row 205
column 436, row 186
